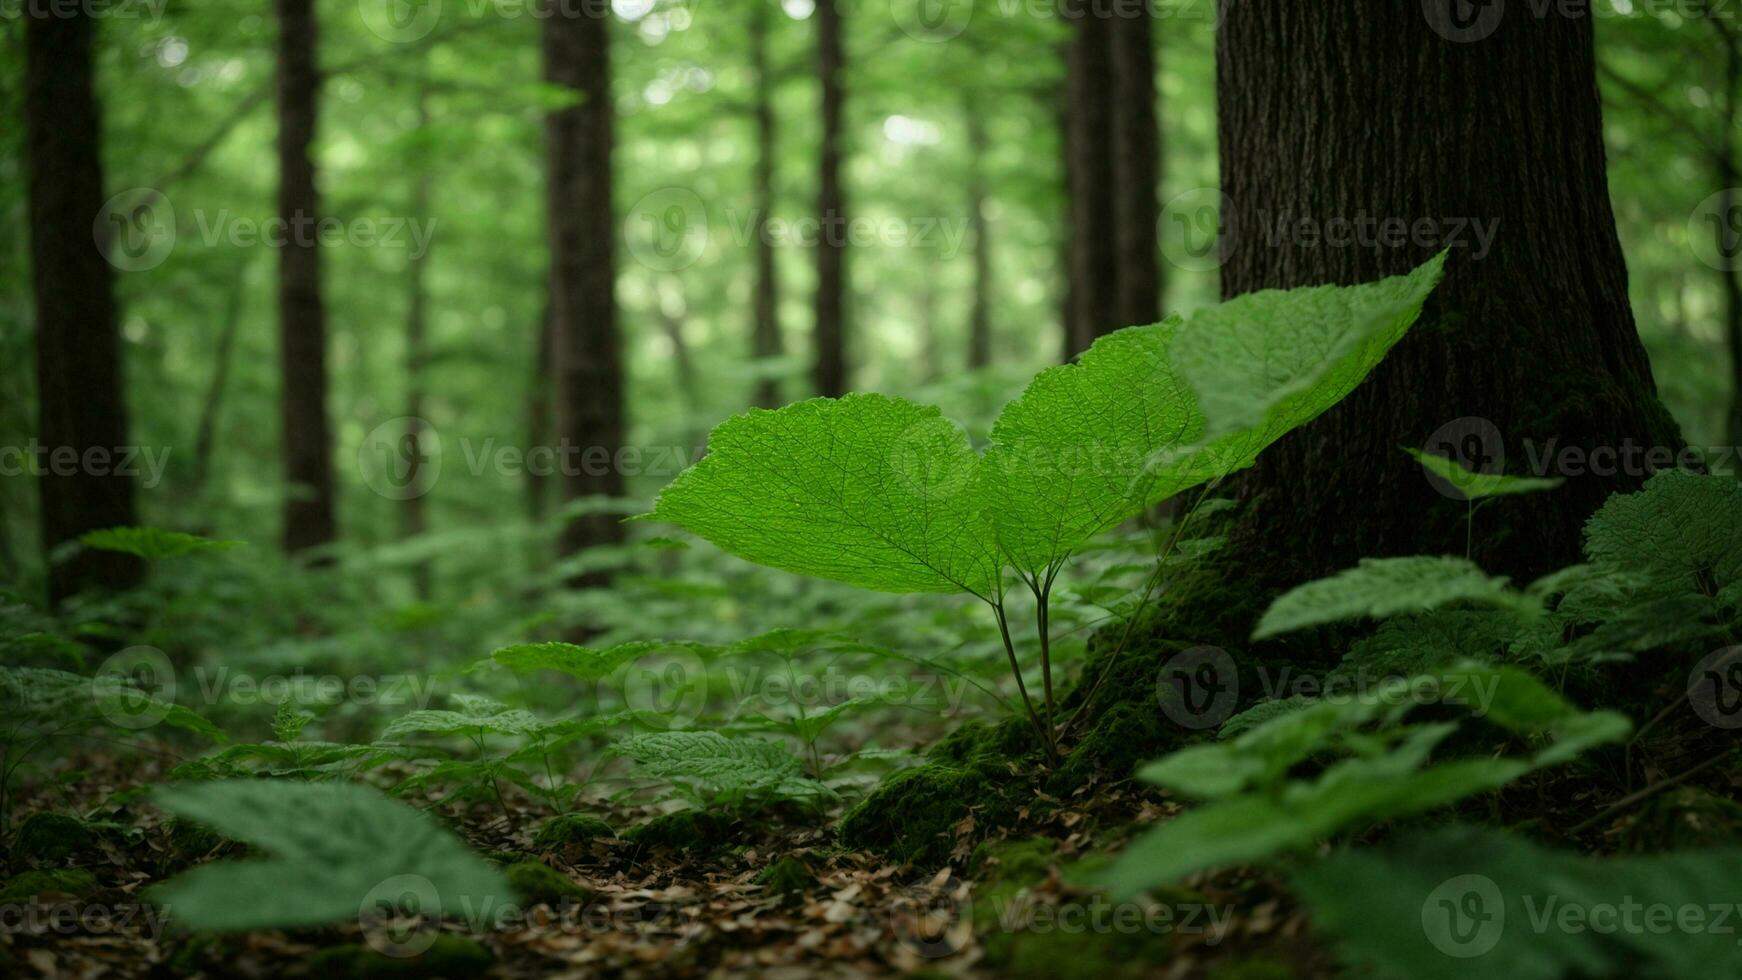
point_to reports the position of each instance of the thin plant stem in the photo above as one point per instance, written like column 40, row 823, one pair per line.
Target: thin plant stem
column 1046, row 736
column 1143, row 603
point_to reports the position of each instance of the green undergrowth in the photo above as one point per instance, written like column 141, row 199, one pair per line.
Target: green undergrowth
column 684, row 830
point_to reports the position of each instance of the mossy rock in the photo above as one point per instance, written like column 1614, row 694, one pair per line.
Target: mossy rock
column 192, row 838
column 787, row 877
column 1051, row 952
column 912, row 817
column 76, row 882
column 52, row 836
column 449, row 957
column 684, row 830
column 571, row 829
column 1125, row 736
column 536, row 882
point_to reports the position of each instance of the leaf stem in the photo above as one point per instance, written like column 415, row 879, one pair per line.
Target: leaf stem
column 1046, row 735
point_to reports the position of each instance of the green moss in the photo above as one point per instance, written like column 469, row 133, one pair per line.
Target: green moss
column 52, row 836
column 1044, row 952
column 571, row 828
column 912, row 818
column 1126, row 735
column 1021, row 862
column 535, row 882
column 69, row 881
column 449, row 957
column 682, row 831
column 787, row 877
column 193, row 839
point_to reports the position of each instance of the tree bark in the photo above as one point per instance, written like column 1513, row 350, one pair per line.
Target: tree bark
column 1344, row 110
column 1089, row 132
column 980, row 309
column 830, row 371
column 81, row 408
column 583, row 227
column 309, row 511
column 767, row 344
column 1729, row 175
column 1136, row 167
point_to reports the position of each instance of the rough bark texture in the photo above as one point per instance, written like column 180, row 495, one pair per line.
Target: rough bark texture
column 767, row 341
column 80, row 405
column 1089, row 83
column 309, row 511
column 583, row 228
column 1136, row 168
column 980, row 310
column 1730, row 242
column 1340, row 109
column 830, row 371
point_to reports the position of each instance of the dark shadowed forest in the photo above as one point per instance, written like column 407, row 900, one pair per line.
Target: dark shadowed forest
column 1228, row 489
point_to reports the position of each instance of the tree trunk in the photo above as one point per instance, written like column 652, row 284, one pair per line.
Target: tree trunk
column 589, row 370
column 767, row 340
column 830, row 372
column 309, row 511
column 1729, row 210
column 1136, row 168
column 206, row 433
column 1338, row 110
column 980, row 310
column 413, row 514
column 81, row 407
column 1089, row 132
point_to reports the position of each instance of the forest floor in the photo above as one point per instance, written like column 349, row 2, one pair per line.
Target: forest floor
column 618, row 908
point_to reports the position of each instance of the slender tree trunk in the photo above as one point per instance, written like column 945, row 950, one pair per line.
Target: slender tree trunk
column 309, row 510
column 1136, row 167
column 81, row 408
column 1067, row 261
column 830, row 372
column 1094, row 262
column 413, row 514
column 767, row 340
column 206, row 433
column 583, row 228
column 1347, row 110
column 980, row 310
column 683, row 364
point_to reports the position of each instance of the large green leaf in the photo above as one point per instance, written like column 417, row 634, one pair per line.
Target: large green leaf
column 1381, row 587
column 1681, row 534
column 151, row 543
column 1067, row 455
column 1476, row 485
column 1256, row 810
column 869, row 490
column 1465, row 901
column 331, row 847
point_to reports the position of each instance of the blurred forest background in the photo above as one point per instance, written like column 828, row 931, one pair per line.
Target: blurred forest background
column 430, row 152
